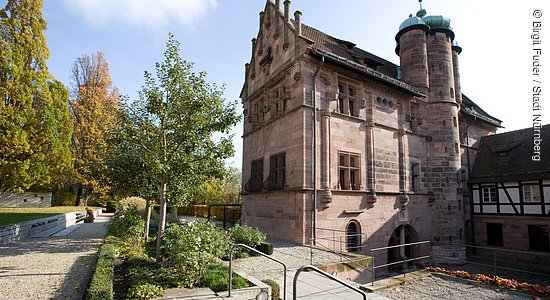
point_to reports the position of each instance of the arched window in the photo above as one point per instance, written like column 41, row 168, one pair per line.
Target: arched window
column 353, row 236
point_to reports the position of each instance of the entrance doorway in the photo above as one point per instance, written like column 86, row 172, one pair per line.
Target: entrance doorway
column 404, row 234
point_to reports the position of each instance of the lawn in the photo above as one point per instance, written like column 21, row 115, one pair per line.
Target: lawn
column 11, row 215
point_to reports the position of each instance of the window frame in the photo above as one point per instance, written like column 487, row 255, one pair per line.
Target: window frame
column 256, row 175
column 534, row 190
column 415, row 177
column 277, row 171
column 348, row 173
column 347, row 98
column 491, row 191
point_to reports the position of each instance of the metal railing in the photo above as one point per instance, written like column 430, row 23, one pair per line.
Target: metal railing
column 339, row 240
column 258, row 252
column 403, row 261
column 349, row 261
column 310, row 267
column 492, row 256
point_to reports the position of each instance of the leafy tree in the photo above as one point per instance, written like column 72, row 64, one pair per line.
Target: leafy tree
column 171, row 129
column 94, row 106
column 35, row 128
column 220, row 190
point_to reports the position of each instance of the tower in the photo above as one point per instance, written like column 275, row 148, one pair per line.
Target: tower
column 430, row 63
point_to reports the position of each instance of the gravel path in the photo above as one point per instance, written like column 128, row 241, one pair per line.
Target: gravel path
column 51, row 268
column 433, row 287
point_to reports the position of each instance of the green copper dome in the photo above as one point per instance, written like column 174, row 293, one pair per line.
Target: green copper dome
column 436, row 22
column 411, row 21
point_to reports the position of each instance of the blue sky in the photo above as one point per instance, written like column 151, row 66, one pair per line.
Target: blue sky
column 495, row 64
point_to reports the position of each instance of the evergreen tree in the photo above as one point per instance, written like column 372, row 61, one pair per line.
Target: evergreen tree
column 34, row 122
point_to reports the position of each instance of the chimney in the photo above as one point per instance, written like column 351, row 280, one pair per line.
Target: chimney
column 278, row 4
column 298, row 19
column 287, row 11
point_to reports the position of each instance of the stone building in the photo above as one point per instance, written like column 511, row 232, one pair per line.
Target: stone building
column 345, row 147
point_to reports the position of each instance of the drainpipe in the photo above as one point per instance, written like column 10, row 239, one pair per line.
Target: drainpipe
column 315, row 150
column 472, row 231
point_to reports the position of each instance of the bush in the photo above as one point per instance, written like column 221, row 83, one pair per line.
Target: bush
column 275, row 289
column 140, row 203
column 128, row 224
column 145, row 291
column 216, row 277
column 266, row 248
column 126, row 232
column 190, row 247
column 249, row 236
column 101, row 286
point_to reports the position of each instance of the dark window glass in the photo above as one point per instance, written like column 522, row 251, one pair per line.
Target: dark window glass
column 538, row 238
column 494, row 234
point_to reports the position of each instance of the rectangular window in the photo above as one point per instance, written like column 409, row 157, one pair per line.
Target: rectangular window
column 531, row 193
column 349, row 171
column 494, row 234
column 347, row 99
column 538, row 238
column 277, row 172
column 489, row 194
column 415, row 177
column 256, row 176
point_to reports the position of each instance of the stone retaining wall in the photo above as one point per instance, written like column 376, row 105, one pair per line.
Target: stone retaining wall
column 18, row 231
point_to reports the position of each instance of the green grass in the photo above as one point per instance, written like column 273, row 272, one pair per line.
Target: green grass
column 12, row 215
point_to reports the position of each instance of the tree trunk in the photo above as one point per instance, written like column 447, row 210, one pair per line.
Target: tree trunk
column 78, row 195
column 162, row 219
column 147, row 219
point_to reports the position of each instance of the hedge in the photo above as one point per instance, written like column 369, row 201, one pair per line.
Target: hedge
column 101, row 286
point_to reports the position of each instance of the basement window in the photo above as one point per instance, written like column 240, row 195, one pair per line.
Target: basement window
column 538, row 238
column 494, row 234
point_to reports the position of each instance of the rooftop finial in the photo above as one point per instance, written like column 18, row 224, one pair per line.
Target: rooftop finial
column 422, row 12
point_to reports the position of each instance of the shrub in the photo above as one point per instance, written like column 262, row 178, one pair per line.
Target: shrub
column 216, row 277
column 127, row 224
column 101, row 286
column 123, row 204
column 249, row 236
column 266, row 248
column 145, row 291
column 190, row 247
column 243, row 234
column 275, row 288
column 126, row 231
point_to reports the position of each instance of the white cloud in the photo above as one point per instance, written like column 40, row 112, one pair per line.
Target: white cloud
column 143, row 13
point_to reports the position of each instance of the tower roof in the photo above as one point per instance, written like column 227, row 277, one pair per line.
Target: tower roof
column 437, row 22
column 411, row 21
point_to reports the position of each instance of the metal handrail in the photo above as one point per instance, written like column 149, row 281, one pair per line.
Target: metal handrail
column 401, row 245
column 348, row 260
column 310, row 267
column 262, row 254
column 494, row 250
column 403, row 261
